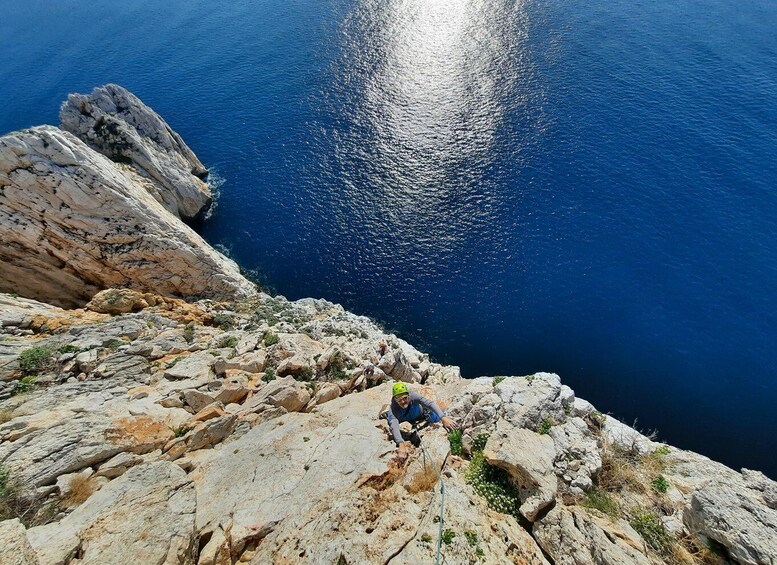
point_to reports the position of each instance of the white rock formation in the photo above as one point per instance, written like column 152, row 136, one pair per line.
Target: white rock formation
column 72, row 224
column 114, row 122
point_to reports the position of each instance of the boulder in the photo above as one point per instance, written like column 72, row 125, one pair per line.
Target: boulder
column 145, row 517
column 114, row 122
column 738, row 518
column 73, row 224
column 198, row 367
column 578, row 458
column 117, row 301
column 15, row 549
column 574, row 536
column 283, row 393
column 197, row 399
column 528, row 458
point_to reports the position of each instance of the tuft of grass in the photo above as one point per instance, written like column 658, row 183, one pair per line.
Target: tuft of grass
column 472, row 537
column 660, row 484
column 426, row 538
column 81, row 488
column 5, row 416
column 602, row 501
column 652, row 530
column 114, row 344
column 227, row 341
column 306, row 373
column 663, row 450
column 447, row 536
column 497, row 380
column 270, row 339
column 545, row 425
column 35, row 359
column 454, row 438
column 31, row 510
column 174, row 361
column 188, row 333
column 68, row 349
column 25, row 384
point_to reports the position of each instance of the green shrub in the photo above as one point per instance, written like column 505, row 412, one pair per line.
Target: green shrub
column 114, row 344
column 497, row 380
column 25, row 384
column 270, row 339
column 224, row 321
column 306, row 373
column 269, row 375
column 454, row 438
column 545, row 425
column 35, row 359
column 68, row 349
column 650, row 527
column 188, row 333
column 601, row 501
column 479, row 443
column 447, row 536
column 426, row 538
column 182, row 430
column 174, row 361
column 660, row 484
column 227, row 341
column 472, row 537
column 663, row 450
column 493, row 484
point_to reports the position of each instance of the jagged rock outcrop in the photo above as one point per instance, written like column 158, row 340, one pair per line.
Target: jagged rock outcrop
column 72, row 224
column 165, row 440
column 116, row 123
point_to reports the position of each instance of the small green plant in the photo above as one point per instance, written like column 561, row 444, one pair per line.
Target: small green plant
column 270, row 339
column 182, row 430
column 224, row 321
column 35, row 359
column 479, row 552
column 601, row 501
column 114, row 344
column 426, row 538
column 650, row 527
column 306, row 439
column 306, row 467
column 545, row 425
column 188, row 333
column 472, row 537
column 68, row 349
column 227, row 341
column 306, row 373
column 447, row 536
column 663, row 450
column 454, row 438
column 497, row 380
column 174, row 361
column 530, row 379
column 269, row 375
column 25, row 384
column 660, row 484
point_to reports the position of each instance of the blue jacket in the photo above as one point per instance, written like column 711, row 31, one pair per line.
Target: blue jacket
column 414, row 411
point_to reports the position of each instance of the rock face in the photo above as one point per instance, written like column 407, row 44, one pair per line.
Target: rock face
column 72, row 223
column 117, row 124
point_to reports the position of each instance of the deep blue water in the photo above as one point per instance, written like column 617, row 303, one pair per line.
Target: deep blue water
column 579, row 187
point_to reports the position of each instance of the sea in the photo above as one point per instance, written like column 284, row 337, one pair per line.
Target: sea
column 580, row 187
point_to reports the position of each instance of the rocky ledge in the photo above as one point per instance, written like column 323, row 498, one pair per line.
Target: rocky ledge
column 249, row 432
column 238, row 427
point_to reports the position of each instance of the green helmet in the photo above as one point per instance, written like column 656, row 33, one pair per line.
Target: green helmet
column 398, row 388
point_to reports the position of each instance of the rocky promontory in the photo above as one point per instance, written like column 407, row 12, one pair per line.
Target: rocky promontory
column 237, row 427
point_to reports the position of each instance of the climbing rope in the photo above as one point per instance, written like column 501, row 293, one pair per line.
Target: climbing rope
column 442, row 504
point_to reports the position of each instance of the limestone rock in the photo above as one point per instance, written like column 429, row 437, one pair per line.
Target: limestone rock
column 284, row 393
column 73, row 224
column 325, row 393
column 145, row 517
column 528, row 458
column 196, row 399
column 15, row 549
column 573, row 536
column 738, row 518
column 578, row 458
column 118, row 465
column 197, row 366
column 114, row 122
column 117, row 301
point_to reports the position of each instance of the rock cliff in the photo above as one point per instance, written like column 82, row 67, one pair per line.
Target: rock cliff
column 73, row 222
column 245, row 428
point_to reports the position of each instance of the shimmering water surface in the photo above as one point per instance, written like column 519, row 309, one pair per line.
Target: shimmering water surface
column 579, row 187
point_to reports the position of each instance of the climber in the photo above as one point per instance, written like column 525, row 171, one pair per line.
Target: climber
column 407, row 406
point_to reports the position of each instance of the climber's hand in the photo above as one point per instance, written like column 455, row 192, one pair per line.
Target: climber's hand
column 449, row 424
column 402, row 451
